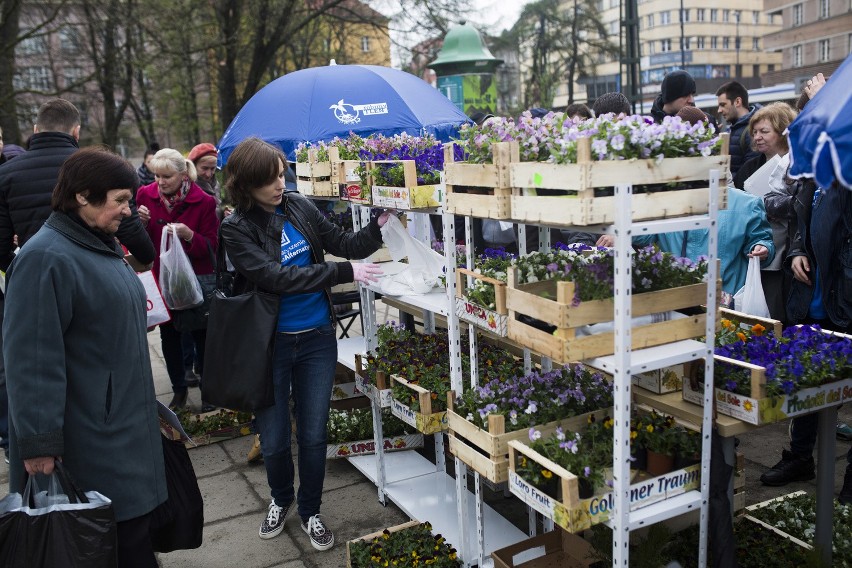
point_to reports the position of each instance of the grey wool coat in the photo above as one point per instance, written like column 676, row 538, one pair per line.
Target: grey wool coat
column 78, row 371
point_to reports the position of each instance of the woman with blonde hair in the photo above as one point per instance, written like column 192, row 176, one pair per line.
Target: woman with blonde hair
column 174, row 200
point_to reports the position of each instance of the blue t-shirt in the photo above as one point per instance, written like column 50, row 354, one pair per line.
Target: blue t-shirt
column 300, row 312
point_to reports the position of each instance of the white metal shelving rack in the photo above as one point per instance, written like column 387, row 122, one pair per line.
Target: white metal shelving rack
column 425, row 491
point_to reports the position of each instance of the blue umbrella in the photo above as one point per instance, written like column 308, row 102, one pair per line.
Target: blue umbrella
column 320, row 103
column 821, row 136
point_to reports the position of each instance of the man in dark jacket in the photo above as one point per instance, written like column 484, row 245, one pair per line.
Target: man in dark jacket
column 734, row 107
column 26, row 187
column 676, row 92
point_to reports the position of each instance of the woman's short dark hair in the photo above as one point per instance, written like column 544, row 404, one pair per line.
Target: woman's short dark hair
column 253, row 164
column 92, row 171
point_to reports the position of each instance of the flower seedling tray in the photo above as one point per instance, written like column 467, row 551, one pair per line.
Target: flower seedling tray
column 577, row 204
column 348, row 183
column 210, row 437
column 496, row 320
column 575, row 514
column 368, row 447
column 425, row 420
column 553, row 549
column 371, row 536
column 487, row 452
column 776, row 530
column 760, row 409
column 564, row 345
column 749, row 320
column 379, row 392
column 480, row 190
column 409, row 196
column 313, row 178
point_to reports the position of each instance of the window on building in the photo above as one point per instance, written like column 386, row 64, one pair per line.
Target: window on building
column 770, row 68
column 755, row 70
column 824, row 50
column 699, row 42
column 650, row 20
column 755, row 17
column 665, row 45
column 35, row 45
column 72, row 76
column 714, row 42
column 665, row 18
column 797, row 56
column 849, row 51
column 684, row 15
column 714, row 15
column 365, row 44
column 687, row 42
column 651, row 49
column 726, row 15
column 613, row 27
column 797, row 15
column 770, row 19
column 326, row 45
column 699, row 14
column 755, row 44
column 726, row 43
column 69, row 40
column 824, row 9
column 35, row 78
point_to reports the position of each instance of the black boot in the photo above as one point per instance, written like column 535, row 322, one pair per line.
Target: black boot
column 845, row 496
column 178, row 400
column 790, row 468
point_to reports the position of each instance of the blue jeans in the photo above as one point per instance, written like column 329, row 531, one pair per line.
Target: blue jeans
column 303, row 363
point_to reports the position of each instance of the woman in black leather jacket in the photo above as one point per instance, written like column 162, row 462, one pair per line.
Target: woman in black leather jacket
column 276, row 241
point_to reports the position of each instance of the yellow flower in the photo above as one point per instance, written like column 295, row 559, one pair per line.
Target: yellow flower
column 608, row 423
column 633, row 434
column 741, row 336
column 547, row 474
column 757, row 329
column 649, row 428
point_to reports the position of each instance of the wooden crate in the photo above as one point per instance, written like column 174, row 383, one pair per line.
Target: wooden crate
column 371, row 536
column 380, row 391
column 760, row 409
column 409, row 196
column 480, row 190
column 577, row 204
column 554, row 549
column 348, row 183
column 313, row 178
column 212, row 437
column 564, row 345
column 368, row 447
column 772, row 325
column 496, row 320
column 487, row 452
column 776, row 530
column 425, row 420
column 575, row 514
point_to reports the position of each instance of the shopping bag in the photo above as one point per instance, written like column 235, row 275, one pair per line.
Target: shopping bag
column 750, row 299
column 178, row 522
column 178, row 284
column 240, row 341
column 62, row 527
column 425, row 266
column 157, row 312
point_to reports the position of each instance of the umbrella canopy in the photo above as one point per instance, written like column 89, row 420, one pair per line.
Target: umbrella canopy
column 821, row 136
column 319, row 103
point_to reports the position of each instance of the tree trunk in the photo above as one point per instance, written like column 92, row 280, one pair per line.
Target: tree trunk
column 10, row 13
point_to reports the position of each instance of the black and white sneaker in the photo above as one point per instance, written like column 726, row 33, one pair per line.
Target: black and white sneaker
column 321, row 536
column 273, row 524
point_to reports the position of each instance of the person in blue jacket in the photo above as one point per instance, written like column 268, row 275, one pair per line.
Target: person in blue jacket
column 744, row 232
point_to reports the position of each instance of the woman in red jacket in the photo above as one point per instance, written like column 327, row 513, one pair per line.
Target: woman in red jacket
column 175, row 200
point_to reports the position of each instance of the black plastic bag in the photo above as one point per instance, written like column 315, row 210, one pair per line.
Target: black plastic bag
column 178, row 523
column 58, row 528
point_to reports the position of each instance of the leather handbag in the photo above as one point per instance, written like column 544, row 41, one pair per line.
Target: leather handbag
column 239, row 345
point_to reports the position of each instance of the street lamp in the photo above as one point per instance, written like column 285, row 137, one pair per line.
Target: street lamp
column 737, row 70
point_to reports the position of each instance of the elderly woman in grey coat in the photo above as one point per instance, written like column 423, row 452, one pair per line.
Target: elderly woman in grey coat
column 76, row 351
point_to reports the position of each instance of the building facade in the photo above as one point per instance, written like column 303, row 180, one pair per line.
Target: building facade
column 815, row 37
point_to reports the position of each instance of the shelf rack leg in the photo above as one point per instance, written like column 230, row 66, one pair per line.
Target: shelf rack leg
column 621, row 377
column 380, row 451
column 825, row 484
column 462, row 496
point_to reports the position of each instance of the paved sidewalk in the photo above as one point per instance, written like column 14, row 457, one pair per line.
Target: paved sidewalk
column 236, row 497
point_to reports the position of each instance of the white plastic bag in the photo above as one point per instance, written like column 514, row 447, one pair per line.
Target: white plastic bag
column 424, row 268
column 157, row 312
column 178, row 283
column 750, row 299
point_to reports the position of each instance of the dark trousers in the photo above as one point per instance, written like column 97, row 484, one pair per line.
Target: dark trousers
column 134, row 543
column 4, row 400
column 170, row 339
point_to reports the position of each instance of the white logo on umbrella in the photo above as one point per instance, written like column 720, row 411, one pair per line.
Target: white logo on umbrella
column 343, row 114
